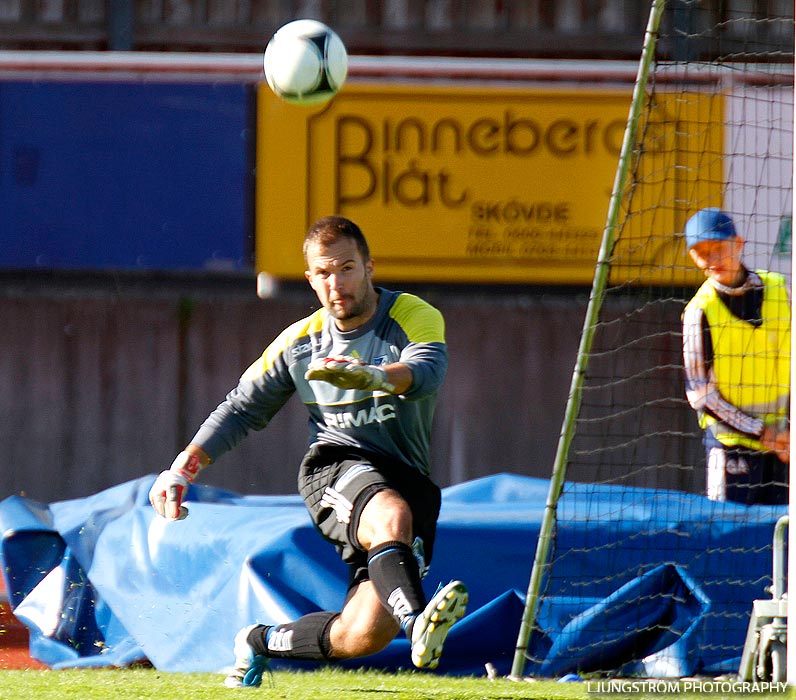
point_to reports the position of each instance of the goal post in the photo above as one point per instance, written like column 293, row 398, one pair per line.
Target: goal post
column 593, row 309
column 710, row 125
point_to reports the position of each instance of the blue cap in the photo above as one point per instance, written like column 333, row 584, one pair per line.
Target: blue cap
column 710, row 224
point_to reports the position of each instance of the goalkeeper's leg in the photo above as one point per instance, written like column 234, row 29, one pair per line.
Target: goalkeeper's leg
column 363, row 627
column 395, row 570
column 375, row 510
column 395, row 574
column 308, row 638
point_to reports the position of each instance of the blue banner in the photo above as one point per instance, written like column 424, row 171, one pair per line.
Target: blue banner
column 130, row 176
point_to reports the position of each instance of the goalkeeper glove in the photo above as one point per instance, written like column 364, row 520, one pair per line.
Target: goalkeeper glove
column 346, row 372
column 169, row 489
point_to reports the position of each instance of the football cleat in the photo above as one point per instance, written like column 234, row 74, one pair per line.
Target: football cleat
column 249, row 667
column 431, row 627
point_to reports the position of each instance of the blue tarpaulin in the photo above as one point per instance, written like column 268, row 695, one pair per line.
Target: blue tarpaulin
column 103, row 581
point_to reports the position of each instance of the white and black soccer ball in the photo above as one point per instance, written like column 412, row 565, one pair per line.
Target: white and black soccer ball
column 305, row 62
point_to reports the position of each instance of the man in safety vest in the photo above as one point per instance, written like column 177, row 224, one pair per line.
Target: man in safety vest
column 736, row 350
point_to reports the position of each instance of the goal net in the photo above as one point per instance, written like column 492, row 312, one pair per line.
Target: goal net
column 637, row 572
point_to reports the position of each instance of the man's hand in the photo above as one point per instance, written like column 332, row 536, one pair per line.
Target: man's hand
column 346, row 372
column 169, row 489
column 778, row 441
column 783, row 446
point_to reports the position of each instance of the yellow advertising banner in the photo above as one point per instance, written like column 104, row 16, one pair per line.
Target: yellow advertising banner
column 449, row 183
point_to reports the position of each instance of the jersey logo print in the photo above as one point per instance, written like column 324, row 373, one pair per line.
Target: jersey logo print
column 349, row 420
column 339, row 503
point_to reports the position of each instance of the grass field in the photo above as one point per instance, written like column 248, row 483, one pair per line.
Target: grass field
column 327, row 684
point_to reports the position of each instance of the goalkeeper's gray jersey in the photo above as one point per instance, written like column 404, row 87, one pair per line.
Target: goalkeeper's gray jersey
column 404, row 329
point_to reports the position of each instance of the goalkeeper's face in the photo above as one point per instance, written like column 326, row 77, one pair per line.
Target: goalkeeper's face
column 343, row 281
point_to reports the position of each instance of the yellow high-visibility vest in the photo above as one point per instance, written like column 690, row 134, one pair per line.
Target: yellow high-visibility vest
column 751, row 363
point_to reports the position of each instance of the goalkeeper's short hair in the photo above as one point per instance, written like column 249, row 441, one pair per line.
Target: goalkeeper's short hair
column 330, row 229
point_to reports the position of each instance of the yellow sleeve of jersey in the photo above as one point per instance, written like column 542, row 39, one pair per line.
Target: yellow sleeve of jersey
column 286, row 339
column 421, row 322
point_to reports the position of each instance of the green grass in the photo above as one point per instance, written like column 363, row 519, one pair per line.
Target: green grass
column 326, row 684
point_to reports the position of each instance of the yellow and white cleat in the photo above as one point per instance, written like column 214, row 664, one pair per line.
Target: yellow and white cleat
column 431, row 627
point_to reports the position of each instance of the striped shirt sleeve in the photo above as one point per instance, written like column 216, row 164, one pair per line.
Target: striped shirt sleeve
column 700, row 381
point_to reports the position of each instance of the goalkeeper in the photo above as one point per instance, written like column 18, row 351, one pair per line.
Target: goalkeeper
column 736, row 350
column 368, row 365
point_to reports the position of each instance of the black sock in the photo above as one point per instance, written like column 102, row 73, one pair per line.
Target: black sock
column 256, row 639
column 306, row 638
column 394, row 571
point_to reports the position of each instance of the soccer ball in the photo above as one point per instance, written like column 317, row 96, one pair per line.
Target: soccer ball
column 305, row 62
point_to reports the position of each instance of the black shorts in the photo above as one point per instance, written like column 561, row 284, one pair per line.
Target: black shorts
column 745, row 476
column 336, row 484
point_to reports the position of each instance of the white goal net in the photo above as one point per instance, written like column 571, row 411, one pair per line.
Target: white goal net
column 639, row 573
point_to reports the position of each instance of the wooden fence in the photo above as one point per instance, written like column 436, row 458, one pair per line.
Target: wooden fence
column 611, row 29
column 104, row 381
